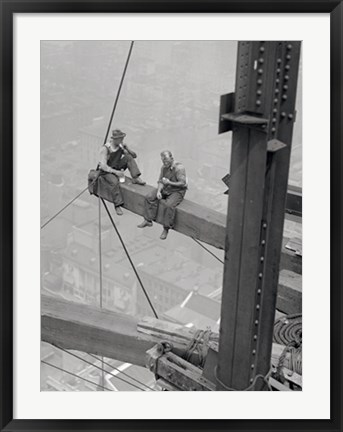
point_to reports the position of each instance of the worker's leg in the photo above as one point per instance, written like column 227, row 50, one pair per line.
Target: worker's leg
column 129, row 162
column 171, row 202
column 108, row 185
column 150, row 209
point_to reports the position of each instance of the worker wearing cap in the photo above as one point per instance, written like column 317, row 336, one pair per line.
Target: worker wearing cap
column 115, row 158
column 171, row 189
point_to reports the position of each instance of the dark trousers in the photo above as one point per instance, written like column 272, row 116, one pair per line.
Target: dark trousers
column 128, row 162
column 171, row 201
column 108, row 183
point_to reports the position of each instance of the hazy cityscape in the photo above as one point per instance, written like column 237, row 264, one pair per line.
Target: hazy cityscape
column 169, row 100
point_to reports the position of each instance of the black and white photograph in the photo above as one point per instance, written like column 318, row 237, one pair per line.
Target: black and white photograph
column 171, row 215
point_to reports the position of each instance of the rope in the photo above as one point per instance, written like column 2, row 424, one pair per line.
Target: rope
column 67, row 205
column 118, row 92
column 258, row 376
column 129, row 258
column 91, row 364
column 75, row 375
column 199, row 343
column 100, row 276
column 122, row 372
column 211, row 253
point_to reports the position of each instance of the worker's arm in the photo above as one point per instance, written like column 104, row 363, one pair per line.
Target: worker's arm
column 103, row 162
column 180, row 175
column 160, row 185
column 128, row 150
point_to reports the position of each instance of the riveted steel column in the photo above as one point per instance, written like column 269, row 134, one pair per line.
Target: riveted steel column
column 262, row 120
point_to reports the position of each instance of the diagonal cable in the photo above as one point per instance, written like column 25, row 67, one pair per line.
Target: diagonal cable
column 74, row 375
column 129, row 258
column 204, row 247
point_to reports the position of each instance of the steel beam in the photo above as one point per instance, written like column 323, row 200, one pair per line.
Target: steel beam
column 266, row 80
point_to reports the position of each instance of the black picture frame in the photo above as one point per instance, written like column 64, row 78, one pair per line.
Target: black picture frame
column 8, row 9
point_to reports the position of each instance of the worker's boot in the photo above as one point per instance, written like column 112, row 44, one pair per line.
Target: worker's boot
column 164, row 234
column 138, row 181
column 144, row 224
column 119, row 211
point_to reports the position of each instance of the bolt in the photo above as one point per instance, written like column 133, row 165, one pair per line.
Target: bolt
column 263, row 242
column 277, row 80
column 264, row 225
column 283, row 114
column 273, row 130
column 257, row 307
column 259, row 82
column 261, row 60
column 258, row 102
column 275, row 110
column 284, row 97
column 262, row 259
column 274, row 120
column 252, row 366
column 287, row 67
column 279, row 61
column 256, row 322
column 290, row 116
column 251, row 381
column 259, row 92
column 260, row 275
column 277, row 90
column 260, row 71
column 285, row 87
column 259, row 291
column 253, row 352
column 289, row 46
column 286, row 77
column 278, row 70
column 276, row 100
column 288, row 56
column 261, row 49
column 255, row 337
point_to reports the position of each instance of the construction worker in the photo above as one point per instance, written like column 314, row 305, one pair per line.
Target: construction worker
column 115, row 158
column 171, row 189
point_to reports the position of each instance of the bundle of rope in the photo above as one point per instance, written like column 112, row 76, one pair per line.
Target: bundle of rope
column 199, row 345
column 288, row 332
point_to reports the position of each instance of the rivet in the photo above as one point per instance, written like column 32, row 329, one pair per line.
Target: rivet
column 264, row 225
column 274, row 120
column 284, row 97
column 259, row 82
column 259, row 291
column 260, row 71
column 278, row 70
column 262, row 259
column 255, row 337
column 283, row 114
column 286, row 77
column 288, row 56
column 253, row 352
column 261, row 49
column 275, row 110
column 285, row 87
column 263, row 242
column 277, row 90
column 259, row 92
column 276, row 100
column 277, row 80
column 257, row 307
column 287, row 67
column 260, row 275
column 273, row 129
column 251, row 381
column 289, row 46
column 256, row 322
column 261, row 60
column 252, row 366
column 279, row 61
column 290, row 116
column 258, row 102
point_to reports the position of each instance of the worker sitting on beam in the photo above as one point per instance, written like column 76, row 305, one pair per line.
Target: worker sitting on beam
column 172, row 186
column 115, row 158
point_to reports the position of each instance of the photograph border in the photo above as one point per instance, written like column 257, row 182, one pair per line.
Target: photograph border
column 8, row 9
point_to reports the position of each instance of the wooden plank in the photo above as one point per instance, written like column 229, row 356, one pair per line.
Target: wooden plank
column 194, row 220
column 98, row 331
column 289, row 298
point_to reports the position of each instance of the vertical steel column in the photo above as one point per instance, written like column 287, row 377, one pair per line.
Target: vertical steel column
column 262, row 123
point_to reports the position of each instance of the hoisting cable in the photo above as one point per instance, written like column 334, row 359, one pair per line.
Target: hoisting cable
column 122, row 372
column 204, row 247
column 98, row 367
column 100, row 281
column 106, row 136
column 74, row 375
column 129, row 258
